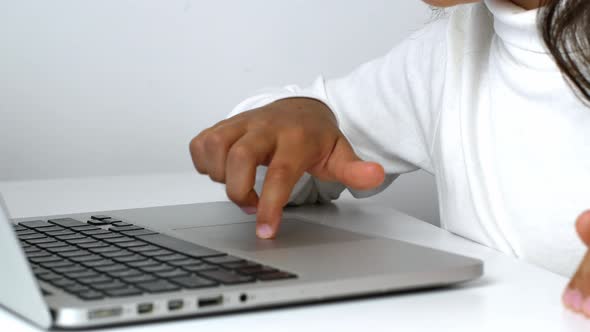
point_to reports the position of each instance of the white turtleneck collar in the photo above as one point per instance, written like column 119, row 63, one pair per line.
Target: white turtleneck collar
column 516, row 25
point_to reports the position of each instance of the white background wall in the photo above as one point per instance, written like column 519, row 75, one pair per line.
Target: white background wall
column 116, row 87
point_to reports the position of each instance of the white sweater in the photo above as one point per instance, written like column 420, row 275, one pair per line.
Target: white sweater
column 474, row 99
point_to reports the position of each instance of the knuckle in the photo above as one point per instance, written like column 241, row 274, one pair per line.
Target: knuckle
column 261, row 123
column 217, row 176
column 214, row 141
column 296, row 134
column 236, row 195
column 239, row 153
column 280, row 172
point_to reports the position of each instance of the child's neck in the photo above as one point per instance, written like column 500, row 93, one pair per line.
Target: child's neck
column 528, row 4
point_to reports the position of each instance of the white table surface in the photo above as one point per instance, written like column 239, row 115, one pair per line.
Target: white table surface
column 512, row 295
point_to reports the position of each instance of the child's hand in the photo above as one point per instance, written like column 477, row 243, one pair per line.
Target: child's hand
column 290, row 136
column 577, row 295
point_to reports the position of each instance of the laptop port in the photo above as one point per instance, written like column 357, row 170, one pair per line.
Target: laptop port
column 105, row 313
column 243, row 297
column 175, row 305
column 209, row 301
column 145, row 308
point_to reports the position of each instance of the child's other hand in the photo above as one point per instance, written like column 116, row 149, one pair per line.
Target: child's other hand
column 577, row 295
column 290, row 136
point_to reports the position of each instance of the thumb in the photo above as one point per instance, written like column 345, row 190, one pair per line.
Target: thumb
column 346, row 167
column 583, row 227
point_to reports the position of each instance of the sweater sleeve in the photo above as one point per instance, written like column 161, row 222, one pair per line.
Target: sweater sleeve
column 387, row 108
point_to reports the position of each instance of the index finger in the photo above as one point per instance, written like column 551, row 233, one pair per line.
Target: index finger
column 282, row 174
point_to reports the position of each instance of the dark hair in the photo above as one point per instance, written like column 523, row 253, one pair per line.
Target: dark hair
column 565, row 27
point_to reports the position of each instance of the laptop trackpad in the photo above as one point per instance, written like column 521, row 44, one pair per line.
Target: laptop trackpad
column 241, row 236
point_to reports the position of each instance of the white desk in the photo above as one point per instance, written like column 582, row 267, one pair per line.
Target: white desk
column 512, row 295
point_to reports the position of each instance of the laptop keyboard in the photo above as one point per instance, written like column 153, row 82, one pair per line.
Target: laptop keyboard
column 106, row 257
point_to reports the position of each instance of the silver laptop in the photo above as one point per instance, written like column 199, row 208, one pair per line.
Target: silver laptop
column 113, row 267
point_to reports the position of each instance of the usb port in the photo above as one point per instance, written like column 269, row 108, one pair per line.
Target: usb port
column 145, row 308
column 210, row 301
column 175, row 305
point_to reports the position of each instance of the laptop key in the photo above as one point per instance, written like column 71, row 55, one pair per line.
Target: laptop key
column 111, row 268
column 147, row 247
column 172, row 274
column 49, row 229
column 70, row 269
column 131, row 258
column 41, row 240
column 223, row 259
column 241, row 265
column 159, row 286
column 63, row 282
column 124, row 228
column 100, row 217
column 62, row 249
column 45, row 259
column 280, row 275
column 98, row 222
column 86, row 258
column 39, row 270
column 147, row 262
column 108, row 235
column 192, row 282
column 30, row 249
column 95, row 279
column 60, row 233
column 139, row 278
column 90, row 295
column 84, row 227
column 184, row 262
column 125, row 273
column 98, row 263
column 100, row 250
column 52, row 265
column 121, row 292
column 87, row 273
column 130, row 244
column 119, row 253
column 183, row 247
column 226, row 277
column 26, row 232
column 49, row 276
column 256, row 270
column 89, row 245
column 120, row 223
column 81, row 240
column 52, row 244
column 95, row 232
column 138, row 232
column 118, row 239
column 74, row 236
column 157, row 268
column 35, row 224
column 78, row 288
column 110, row 285
column 200, row 267
column 156, row 253
column 172, row 257
column 76, row 253
column 66, row 222
column 38, row 254
column 31, row 236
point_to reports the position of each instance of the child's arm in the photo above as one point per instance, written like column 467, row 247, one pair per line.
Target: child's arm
column 386, row 112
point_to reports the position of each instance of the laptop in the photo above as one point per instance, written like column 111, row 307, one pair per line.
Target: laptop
column 138, row 265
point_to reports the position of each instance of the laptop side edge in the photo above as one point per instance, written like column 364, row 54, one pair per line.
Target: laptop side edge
column 19, row 291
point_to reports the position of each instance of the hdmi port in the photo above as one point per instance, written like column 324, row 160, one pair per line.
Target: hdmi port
column 210, row 301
